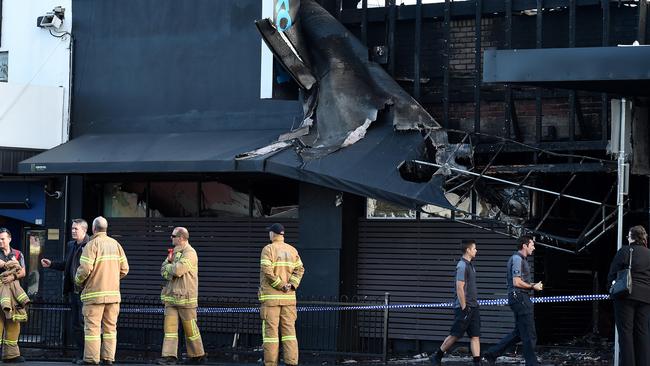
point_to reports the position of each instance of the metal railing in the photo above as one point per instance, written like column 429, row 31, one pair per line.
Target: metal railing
column 325, row 326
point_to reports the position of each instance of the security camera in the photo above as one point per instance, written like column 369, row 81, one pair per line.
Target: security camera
column 52, row 19
column 50, row 193
column 49, row 20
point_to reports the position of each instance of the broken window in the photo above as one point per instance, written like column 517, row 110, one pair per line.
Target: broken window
column 221, row 200
column 378, row 209
column 190, row 199
column 175, row 199
column 126, row 200
column 463, row 204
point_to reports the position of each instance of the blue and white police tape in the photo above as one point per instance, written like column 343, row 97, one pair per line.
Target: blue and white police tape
column 490, row 302
column 218, row 310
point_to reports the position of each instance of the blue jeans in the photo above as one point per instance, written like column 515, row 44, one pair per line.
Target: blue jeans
column 524, row 331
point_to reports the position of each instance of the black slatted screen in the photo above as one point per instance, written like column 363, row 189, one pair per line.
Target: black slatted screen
column 415, row 261
column 228, row 250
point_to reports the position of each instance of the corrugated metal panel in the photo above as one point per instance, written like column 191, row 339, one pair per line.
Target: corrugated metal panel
column 229, row 252
column 415, row 261
column 10, row 157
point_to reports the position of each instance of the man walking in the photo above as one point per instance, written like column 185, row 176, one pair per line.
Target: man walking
column 10, row 328
column 69, row 268
column 181, row 270
column 518, row 283
column 467, row 318
column 102, row 265
column 280, row 273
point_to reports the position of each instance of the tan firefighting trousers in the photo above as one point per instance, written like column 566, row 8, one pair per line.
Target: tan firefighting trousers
column 282, row 318
column 10, row 330
column 193, row 341
column 100, row 329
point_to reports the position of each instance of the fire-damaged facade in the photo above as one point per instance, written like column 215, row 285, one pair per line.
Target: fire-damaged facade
column 380, row 136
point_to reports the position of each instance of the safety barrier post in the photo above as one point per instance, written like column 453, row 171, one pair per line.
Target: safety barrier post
column 385, row 340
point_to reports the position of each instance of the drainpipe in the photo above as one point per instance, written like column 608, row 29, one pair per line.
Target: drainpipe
column 619, row 199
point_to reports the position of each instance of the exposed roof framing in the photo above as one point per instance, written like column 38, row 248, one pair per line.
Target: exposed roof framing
column 460, row 9
column 462, row 181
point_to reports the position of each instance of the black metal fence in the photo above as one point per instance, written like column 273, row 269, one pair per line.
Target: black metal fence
column 325, row 326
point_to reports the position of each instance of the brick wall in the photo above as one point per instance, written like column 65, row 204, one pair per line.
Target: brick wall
column 555, row 109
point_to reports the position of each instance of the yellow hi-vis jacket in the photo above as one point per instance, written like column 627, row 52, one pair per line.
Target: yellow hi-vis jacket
column 101, row 267
column 183, row 275
column 13, row 300
column 280, row 264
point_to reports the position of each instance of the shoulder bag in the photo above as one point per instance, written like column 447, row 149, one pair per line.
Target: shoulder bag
column 622, row 285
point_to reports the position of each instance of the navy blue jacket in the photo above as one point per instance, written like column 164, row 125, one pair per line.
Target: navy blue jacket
column 68, row 262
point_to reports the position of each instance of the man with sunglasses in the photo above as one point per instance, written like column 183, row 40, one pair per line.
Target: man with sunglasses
column 10, row 329
column 180, row 296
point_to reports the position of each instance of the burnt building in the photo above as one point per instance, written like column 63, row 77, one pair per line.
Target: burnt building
column 358, row 138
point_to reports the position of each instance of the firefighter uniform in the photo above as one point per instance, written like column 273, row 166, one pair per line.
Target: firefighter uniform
column 280, row 265
column 10, row 325
column 180, row 299
column 101, row 267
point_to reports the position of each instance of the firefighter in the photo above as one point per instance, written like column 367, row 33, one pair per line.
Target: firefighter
column 101, row 267
column 10, row 327
column 181, row 270
column 280, row 273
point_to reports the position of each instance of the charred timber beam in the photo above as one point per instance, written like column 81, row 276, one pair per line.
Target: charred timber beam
column 510, row 113
column 604, row 98
column 643, row 22
column 445, row 64
column 513, row 117
column 477, row 66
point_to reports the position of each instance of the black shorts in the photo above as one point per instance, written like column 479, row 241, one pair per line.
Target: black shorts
column 466, row 321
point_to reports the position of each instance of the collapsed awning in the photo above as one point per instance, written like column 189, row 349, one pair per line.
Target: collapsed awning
column 367, row 168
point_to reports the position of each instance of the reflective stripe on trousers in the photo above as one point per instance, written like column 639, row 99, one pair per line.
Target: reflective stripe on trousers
column 278, row 325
